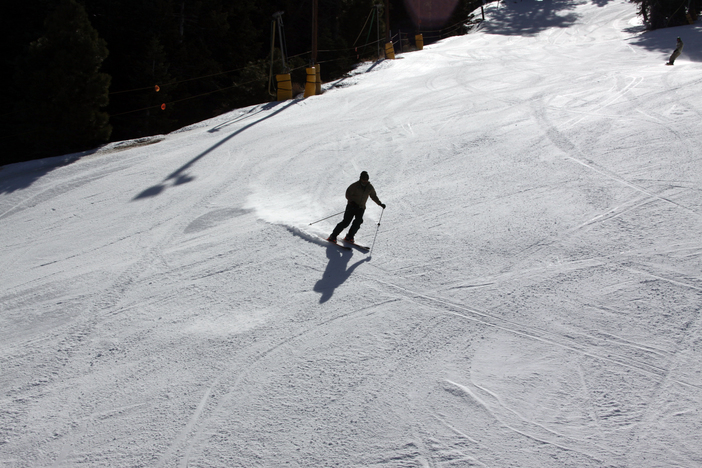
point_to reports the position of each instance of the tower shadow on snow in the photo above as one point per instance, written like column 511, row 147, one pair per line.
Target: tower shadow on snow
column 180, row 176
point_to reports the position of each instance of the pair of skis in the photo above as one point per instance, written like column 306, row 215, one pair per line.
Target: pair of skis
column 348, row 245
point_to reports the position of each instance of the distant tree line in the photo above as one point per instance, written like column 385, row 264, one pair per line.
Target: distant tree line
column 667, row 13
column 79, row 73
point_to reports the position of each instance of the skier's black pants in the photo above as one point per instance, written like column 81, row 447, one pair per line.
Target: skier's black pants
column 352, row 211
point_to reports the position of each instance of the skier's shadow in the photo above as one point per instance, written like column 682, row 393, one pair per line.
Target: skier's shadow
column 336, row 273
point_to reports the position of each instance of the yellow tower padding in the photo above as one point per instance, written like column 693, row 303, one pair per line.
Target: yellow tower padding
column 389, row 51
column 419, row 41
column 311, row 85
column 284, row 87
column 318, row 82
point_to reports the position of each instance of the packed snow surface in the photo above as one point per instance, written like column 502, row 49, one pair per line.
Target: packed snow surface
column 532, row 299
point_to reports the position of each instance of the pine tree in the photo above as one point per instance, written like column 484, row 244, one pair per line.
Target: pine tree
column 61, row 87
column 666, row 13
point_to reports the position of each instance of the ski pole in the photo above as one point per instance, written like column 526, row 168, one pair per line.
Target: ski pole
column 370, row 252
column 335, row 214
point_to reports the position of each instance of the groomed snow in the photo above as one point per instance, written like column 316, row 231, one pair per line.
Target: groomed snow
column 533, row 297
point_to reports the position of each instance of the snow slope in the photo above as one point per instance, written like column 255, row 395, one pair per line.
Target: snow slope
column 533, row 297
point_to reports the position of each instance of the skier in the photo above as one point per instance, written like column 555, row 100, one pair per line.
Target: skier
column 676, row 52
column 357, row 195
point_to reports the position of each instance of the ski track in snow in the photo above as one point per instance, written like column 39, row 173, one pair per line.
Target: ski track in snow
column 570, row 343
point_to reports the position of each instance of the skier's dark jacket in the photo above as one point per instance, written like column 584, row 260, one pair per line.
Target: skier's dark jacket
column 358, row 194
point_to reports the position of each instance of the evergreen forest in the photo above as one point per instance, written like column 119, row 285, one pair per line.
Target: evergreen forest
column 80, row 73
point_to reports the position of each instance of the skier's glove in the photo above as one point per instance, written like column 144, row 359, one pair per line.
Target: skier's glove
column 383, row 205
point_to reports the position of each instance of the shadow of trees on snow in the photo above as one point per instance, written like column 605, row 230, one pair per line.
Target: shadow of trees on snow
column 663, row 41
column 528, row 17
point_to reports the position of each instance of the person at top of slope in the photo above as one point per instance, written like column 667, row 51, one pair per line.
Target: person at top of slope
column 357, row 195
column 676, row 52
